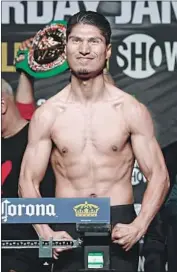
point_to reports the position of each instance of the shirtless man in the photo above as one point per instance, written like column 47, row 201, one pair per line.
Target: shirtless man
column 98, row 130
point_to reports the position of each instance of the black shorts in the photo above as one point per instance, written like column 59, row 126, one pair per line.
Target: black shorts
column 21, row 260
column 121, row 260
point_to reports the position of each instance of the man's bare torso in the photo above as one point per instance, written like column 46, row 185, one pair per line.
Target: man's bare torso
column 92, row 154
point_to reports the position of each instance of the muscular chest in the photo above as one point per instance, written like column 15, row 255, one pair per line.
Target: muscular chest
column 101, row 127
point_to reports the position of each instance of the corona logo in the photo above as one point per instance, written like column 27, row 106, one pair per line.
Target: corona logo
column 86, row 210
column 12, row 210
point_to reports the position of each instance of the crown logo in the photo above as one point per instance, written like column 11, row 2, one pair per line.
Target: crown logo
column 86, row 210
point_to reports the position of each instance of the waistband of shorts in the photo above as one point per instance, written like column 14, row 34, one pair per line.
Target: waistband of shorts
column 124, row 214
column 122, row 206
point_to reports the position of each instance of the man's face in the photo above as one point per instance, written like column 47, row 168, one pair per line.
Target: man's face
column 86, row 50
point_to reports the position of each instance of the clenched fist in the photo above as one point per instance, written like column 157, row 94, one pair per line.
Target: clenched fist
column 126, row 235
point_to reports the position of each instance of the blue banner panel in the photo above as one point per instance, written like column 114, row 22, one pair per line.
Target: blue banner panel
column 55, row 210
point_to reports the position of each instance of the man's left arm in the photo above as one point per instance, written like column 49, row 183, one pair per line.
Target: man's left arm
column 151, row 162
column 25, row 90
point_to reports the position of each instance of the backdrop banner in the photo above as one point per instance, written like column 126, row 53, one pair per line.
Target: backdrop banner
column 143, row 61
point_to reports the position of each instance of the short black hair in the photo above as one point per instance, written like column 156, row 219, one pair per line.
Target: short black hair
column 90, row 18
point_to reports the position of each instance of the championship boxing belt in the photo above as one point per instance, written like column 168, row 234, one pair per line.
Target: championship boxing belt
column 46, row 57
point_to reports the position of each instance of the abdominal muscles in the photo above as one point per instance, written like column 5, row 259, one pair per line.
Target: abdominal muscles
column 92, row 173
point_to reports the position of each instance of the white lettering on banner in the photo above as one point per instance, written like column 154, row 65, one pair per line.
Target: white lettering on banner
column 139, row 55
column 12, row 210
column 48, row 11
column 30, row 210
column 141, row 264
column 44, row 18
column 62, row 10
column 40, row 101
column 143, row 9
column 18, row 12
column 125, row 15
column 171, row 55
column 151, row 10
column 137, row 208
column 137, row 176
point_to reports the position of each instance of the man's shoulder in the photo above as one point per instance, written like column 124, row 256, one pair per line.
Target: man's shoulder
column 135, row 112
column 123, row 97
column 130, row 104
column 49, row 110
column 60, row 97
column 45, row 114
column 129, row 100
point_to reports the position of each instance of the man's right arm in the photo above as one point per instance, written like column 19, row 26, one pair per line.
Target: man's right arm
column 35, row 160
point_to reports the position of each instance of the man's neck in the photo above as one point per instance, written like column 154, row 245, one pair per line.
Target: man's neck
column 13, row 125
column 88, row 91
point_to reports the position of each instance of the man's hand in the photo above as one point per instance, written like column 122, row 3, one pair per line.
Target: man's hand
column 27, row 44
column 60, row 235
column 126, row 235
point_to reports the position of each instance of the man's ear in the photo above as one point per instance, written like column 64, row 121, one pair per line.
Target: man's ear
column 3, row 106
column 109, row 51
